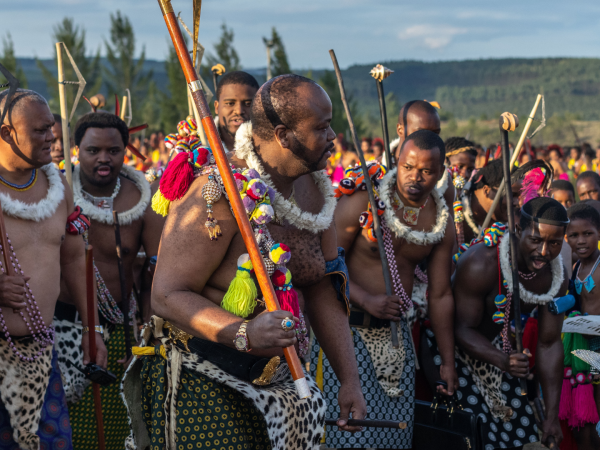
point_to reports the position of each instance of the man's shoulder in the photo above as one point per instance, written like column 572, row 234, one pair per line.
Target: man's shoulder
column 479, row 259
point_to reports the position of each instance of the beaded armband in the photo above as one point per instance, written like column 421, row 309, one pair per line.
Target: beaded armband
column 77, row 222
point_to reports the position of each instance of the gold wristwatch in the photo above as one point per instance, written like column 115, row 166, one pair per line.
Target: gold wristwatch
column 97, row 329
column 241, row 339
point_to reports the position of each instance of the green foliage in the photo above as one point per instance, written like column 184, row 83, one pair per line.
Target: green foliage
column 279, row 62
column 173, row 103
column 9, row 61
column 225, row 53
column 122, row 71
column 339, row 122
column 74, row 38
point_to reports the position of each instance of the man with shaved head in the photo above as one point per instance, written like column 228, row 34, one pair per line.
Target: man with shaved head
column 205, row 294
column 43, row 229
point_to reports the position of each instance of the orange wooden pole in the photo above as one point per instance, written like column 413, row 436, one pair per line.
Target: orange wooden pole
column 214, row 140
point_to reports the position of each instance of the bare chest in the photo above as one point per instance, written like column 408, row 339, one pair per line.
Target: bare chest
column 102, row 237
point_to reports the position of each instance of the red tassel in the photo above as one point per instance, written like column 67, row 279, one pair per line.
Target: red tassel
column 177, row 177
column 584, row 406
column 565, row 407
column 288, row 300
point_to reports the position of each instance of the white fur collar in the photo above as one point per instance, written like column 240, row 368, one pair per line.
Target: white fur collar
column 403, row 231
column 41, row 210
column 303, row 220
column 558, row 276
column 104, row 216
column 468, row 213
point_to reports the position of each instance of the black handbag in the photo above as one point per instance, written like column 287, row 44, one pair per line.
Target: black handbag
column 444, row 425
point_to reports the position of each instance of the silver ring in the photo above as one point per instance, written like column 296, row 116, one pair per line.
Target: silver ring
column 287, row 324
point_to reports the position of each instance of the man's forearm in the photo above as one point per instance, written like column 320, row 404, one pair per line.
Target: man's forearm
column 329, row 321
column 358, row 295
column 479, row 347
column 441, row 312
column 549, row 361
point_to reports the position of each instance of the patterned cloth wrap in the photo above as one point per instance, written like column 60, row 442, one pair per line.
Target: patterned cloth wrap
column 170, row 383
column 83, row 419
column 485, row 391
column 33, row 409
column 353, row 181
column 383, row 371
column 77, row 222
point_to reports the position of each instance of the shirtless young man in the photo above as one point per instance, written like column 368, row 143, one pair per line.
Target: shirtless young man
column 488, row 368
column 416, row 228
column 101, row 184
column 38, row 210
column 286, row 146
column 588, row 186
column 233, row 104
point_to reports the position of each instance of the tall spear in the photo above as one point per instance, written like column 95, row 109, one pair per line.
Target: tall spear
column 62, row 94
column 380, row 73
column 513, row 159
column 371, row 192
column 124, row 295
column 233, row 194
column 510, row 122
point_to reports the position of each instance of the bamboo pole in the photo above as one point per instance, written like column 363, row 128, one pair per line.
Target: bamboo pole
column 513, row 159
column 123, row 107
column 62, row 94
column 233, row 194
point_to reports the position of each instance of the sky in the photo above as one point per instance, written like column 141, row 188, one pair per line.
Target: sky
column 360, row 31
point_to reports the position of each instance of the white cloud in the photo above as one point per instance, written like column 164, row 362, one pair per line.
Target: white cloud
column 431, row 36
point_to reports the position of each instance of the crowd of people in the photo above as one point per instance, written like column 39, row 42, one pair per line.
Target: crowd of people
column 207, row 367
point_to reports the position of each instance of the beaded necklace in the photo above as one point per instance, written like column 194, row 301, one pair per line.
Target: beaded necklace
column 40, row 332
column 405, row 301
column 20, row 187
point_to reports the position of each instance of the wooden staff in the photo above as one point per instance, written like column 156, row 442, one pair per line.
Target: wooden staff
column 370, row 191
column 231, row 188
column 123, row 106
column 91, row 316
column 370, row 423
column 124, row 295
column 509, row 122
column 513, row 159
column 380, row 73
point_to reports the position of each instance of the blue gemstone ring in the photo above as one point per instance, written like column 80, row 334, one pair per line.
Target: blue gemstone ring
column 287, row 324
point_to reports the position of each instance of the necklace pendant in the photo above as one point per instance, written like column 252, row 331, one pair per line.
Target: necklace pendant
column 103, row 202
column 411, row 215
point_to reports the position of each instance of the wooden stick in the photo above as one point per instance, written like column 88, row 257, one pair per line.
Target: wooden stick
column 124, row 294
column 370, row 423
column 384, row 124
column 370, row 191
column 237, row 206
column 509, row 122
column 201, row 133
column 513, row 159
column 123, row 107
column 91, row 317
column 62, row 95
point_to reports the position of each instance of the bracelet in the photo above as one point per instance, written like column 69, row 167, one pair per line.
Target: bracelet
column 97, row 329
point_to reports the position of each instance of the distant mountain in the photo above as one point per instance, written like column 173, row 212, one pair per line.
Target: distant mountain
column 465, row 89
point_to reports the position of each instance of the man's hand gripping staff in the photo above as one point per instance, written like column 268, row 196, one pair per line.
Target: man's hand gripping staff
column 243, row 223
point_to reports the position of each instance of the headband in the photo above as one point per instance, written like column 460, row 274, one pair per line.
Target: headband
column 460, row 150
column 557, row 223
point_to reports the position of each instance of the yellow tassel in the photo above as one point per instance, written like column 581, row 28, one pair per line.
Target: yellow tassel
column 160, row 204
column 240, row 298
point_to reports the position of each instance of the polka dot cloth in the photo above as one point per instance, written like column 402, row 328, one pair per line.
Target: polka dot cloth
column 379, row 405
column 54, row 430
column 520, row 430
column 209, row 415
column 83, row 416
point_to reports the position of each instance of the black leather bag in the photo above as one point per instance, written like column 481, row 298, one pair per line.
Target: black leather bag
column 446, row 426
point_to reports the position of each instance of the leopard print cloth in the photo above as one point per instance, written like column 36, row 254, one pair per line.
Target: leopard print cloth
column 292, row 423
column 488, row 379
column 23, row 387
column 387, row 360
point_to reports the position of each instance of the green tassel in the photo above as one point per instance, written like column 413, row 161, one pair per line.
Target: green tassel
column 240, row 298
